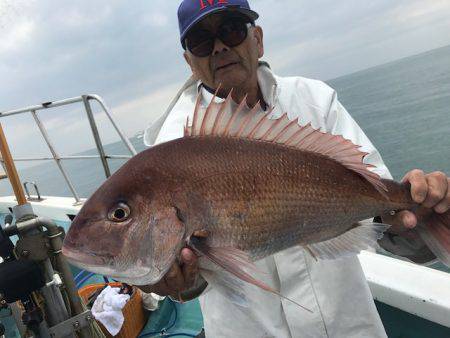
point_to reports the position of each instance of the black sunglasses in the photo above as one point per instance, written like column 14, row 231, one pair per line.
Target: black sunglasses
column 232, row 32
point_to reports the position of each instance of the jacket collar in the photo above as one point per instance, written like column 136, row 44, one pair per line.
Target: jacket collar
column 266, row 80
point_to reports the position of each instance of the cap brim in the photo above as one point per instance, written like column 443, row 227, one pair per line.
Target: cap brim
column 247, row 12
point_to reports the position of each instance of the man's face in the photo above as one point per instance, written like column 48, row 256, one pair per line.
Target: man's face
column 231, row 67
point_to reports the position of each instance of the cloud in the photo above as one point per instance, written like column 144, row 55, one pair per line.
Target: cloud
column 328, row 39
column 129, row 52
column 419, row 14
column 157, row 19
column 16, row 27
column 16, row 37
column 145, row 108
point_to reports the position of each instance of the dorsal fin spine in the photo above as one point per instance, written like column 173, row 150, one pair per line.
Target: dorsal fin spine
column 220, row 113
column 348, row 147
column 284, row 130
column 243, row 125
column 186, row 130
column 233, row 116
column 259, row 123
column 269, row 131
column 308, row 130
column 291, row 141
column 194, row 119
column 208, row 112
column 330, row 149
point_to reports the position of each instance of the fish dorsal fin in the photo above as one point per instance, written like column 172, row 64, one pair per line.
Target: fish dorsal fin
column 220, row 119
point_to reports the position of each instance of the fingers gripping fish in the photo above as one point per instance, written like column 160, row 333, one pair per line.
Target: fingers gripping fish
column 238, row 187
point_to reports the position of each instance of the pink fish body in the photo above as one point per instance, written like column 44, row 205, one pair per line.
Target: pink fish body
column 251, row 186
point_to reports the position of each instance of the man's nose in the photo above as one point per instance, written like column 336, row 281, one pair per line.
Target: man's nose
column 219, row 46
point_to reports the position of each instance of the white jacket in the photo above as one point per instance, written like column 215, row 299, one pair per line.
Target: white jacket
column 336, row 290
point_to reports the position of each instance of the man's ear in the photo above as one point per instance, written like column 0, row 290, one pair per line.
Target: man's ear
column 258, row 33
column 187, row 57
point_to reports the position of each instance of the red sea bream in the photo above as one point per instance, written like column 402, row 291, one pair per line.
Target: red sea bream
column 237, row 188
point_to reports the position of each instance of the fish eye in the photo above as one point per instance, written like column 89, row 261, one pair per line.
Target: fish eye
column 120, row 213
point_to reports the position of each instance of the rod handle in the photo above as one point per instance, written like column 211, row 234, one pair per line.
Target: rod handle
column 11, row 169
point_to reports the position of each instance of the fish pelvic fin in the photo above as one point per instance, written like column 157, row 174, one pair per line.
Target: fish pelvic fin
column 226, row 284
column 436, row 235
column 362, row 237
column 236, row 263
column 221, row 120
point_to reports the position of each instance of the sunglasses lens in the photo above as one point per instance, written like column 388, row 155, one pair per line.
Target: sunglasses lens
column 200, row 43
column 232, row 33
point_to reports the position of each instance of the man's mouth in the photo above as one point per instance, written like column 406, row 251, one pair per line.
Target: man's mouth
column 226, row 66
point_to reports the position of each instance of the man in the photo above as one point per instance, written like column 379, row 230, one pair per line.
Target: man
column 223, row 47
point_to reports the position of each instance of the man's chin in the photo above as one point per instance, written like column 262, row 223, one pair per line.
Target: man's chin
column 227, row 83
column 230, row 77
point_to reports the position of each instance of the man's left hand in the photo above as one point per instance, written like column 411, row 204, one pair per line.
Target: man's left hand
column 430, row 191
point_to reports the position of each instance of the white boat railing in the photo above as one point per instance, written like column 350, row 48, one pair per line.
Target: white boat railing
column 86, row 100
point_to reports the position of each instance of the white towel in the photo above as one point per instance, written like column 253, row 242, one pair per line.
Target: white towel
column 107, row 309
column 150, row 301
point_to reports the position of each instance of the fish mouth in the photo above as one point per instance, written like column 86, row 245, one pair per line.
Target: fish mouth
column 81, row 260
column 85, row 260
column 100, row 266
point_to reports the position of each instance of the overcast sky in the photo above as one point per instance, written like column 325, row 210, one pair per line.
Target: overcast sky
column 128, row 52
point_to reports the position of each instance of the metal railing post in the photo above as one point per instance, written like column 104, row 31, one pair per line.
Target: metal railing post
column 96, row 135
column 55, row 155
column 118, row 130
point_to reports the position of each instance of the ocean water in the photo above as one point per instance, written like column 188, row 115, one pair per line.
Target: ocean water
column 404, row 108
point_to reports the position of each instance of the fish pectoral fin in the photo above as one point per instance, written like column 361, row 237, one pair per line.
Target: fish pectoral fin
column 235, row 262
column 363, row 236
column 227, row 285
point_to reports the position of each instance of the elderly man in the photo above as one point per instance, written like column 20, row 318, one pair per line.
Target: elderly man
column 223, row 47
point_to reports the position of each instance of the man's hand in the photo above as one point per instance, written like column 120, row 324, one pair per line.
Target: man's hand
column 181, row 277
column 431, row 191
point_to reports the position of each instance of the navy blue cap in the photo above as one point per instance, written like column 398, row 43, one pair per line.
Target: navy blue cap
column 192, row 11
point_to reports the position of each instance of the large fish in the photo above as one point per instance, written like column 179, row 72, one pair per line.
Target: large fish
column 239, row 186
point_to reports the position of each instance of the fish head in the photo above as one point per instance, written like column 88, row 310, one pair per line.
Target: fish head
column 126, row 231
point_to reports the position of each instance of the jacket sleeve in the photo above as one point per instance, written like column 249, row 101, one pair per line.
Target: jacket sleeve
column 339, row 122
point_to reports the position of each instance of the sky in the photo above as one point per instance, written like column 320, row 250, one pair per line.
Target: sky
column 129, row 53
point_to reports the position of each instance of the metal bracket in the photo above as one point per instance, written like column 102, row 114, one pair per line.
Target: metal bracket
column 33, row 246
column 38, row 198
column 72, row 325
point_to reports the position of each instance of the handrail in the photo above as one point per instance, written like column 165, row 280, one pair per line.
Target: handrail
column 85, row 99
column 78, row 157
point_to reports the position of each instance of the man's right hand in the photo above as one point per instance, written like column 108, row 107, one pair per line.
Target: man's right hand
column 181, row 277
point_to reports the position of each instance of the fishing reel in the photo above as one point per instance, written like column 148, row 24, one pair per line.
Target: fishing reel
column 20, row 276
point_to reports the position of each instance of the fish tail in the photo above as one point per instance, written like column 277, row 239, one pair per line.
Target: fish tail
column 435, row 232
